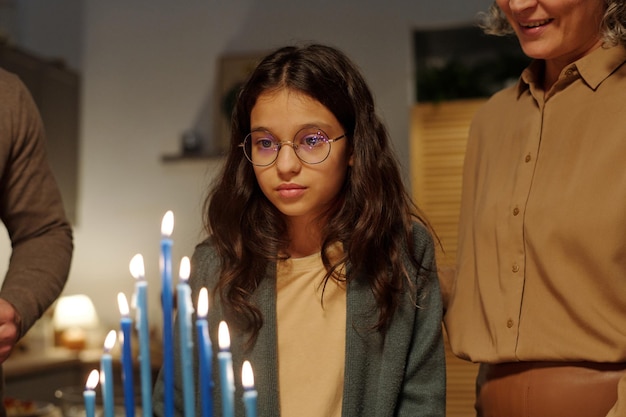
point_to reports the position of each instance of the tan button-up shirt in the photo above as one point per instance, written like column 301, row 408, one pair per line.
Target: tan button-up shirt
column 541, row 271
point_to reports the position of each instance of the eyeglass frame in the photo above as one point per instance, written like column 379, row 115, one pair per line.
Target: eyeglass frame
column 279, row 145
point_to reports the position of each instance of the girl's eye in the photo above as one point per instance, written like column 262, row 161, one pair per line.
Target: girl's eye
column 265, row 143
column 312, row 140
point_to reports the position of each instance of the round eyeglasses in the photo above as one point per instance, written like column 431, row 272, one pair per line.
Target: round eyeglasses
column 311, row 145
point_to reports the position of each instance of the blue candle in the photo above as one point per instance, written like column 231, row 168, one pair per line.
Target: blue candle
column 127, row 357
column 137, row 270
column 89, row 394
column 227, row 380
column 205, row 355
column 167, row 227
column 249, row 393
column 185, row 309
column 106, row 375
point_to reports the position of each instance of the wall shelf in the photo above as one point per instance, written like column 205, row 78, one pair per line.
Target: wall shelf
column 183, row 157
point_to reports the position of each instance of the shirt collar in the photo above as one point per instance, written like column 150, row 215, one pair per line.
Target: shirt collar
column 593, row 68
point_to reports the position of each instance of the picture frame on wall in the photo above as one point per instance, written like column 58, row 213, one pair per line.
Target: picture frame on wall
column 234, row 69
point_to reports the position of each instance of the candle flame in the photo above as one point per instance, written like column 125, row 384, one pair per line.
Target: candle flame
column 109, row 341
column 167, row 224
column 223, row 336
column 203, row 303
column 247, row 377
column 92, row 380
column 136, row 267
column 185, row 269
column 122, row 303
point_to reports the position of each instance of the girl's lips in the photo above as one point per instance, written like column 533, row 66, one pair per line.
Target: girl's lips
column 290, row 190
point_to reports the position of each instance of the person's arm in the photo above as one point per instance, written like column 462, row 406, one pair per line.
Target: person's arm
column 32, row 212
column 424, row 389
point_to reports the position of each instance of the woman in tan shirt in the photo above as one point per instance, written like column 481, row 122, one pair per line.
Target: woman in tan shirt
column 540, row 294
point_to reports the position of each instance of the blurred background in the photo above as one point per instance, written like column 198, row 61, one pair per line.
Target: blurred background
column 133, row 94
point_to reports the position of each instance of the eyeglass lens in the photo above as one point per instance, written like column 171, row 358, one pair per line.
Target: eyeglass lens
column 311, row 145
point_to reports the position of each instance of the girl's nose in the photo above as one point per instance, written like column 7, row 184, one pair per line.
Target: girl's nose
column 287, row 161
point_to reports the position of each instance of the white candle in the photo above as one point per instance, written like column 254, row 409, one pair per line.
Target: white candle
column 106, row 375
column 89, row 395
column 227, row 380
column 137, row 270
column 249, row 393
column 185, row 309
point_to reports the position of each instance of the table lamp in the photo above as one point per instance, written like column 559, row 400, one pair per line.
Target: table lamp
column 73, row 316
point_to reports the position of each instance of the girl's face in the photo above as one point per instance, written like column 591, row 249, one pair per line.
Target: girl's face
column 555, row 30
column 298, row 190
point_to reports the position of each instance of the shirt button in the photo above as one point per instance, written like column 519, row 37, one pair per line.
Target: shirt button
column 509, row 323
column 527, row 159
column 515, row 268
column 515, row 211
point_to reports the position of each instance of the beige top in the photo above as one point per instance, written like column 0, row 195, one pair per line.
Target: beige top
column 542, row 238
column 311, row 339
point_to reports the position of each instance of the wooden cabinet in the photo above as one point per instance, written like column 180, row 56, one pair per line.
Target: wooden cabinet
column 438, row 137
column 37, row 375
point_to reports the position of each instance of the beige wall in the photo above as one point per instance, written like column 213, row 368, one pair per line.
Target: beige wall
column 149, row 73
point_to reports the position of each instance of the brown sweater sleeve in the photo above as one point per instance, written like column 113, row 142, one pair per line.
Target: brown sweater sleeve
column 30, row 207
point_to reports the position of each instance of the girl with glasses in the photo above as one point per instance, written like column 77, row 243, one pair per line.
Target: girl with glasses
column 316, row 256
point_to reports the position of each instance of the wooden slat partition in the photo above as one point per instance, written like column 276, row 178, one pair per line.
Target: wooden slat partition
column 438, row 137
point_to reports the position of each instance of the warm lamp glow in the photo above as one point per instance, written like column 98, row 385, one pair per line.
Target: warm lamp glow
column 247, row 377
column 223, row 336
column 73, row 315
column 74, row 311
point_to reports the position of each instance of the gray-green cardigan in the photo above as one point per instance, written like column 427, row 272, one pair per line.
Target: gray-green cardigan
column 400, row 375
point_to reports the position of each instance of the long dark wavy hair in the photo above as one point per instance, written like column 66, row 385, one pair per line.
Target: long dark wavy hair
column 372, row 216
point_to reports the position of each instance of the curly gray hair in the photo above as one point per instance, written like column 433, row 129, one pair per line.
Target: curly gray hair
column 613, row 27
